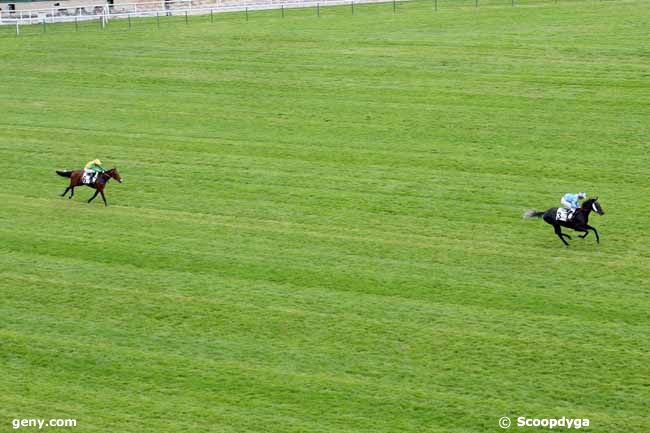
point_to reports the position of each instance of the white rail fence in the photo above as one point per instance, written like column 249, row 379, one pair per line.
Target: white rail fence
column 105, row 12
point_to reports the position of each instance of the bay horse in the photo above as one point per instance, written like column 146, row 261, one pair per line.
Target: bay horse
column 579, row 222
column 98, row 184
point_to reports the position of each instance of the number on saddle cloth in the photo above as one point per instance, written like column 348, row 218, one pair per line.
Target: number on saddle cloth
column 89, row 177
column 564, row 214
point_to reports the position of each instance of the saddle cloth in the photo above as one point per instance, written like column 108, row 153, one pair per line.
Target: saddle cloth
column 564, row 214
column 88, row 177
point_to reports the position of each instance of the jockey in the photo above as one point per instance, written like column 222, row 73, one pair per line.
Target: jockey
column 571, row 201
column 91, row 169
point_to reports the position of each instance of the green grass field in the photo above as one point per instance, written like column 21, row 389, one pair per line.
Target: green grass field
column 320, row 226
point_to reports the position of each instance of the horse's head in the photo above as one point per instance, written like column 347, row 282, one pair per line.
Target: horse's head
column 593, row 205
column 114, row 174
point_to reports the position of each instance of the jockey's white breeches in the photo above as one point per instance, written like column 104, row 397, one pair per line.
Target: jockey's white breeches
column 566, row 204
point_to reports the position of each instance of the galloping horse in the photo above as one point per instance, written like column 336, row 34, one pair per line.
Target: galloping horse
column 99, row 184
column 579, row 222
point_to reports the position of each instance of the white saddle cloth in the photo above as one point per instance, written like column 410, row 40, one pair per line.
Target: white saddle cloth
column 564, row 214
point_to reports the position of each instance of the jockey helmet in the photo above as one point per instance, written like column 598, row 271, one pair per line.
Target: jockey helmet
column 98, row 162
column 582, row 195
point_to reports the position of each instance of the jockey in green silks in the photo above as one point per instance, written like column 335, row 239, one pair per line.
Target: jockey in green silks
column 91, row 169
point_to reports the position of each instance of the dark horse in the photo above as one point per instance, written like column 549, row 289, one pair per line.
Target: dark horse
column 579, row 222
column 99, row 184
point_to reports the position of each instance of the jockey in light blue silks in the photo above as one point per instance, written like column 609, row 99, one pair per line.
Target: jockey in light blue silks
column 572, row 201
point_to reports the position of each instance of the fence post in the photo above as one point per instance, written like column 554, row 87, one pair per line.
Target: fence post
column 352, row 4
column 394, row 6
column 157, row 19
column 17, row 28
column 246, row 13
column 44, row 25
column 211, row 16
column 317, row 9
column 186, row 21
column 76, row 24
column 282, row 10
column 129, row 21
column 435, row 5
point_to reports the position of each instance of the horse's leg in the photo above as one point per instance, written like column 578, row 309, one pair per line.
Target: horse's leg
column 595, row 232
column 581, row 228
column 74, row 182
column 101, row 191
column 94, row 195
column 558, row 232
column 564, row 234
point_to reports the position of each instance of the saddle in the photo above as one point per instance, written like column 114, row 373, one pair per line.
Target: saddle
column 565, row 215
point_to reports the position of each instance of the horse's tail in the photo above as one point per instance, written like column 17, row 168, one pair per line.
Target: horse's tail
column 64, row 173
column 532, row 214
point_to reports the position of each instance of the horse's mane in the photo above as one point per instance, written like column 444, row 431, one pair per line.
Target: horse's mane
column 587, row 203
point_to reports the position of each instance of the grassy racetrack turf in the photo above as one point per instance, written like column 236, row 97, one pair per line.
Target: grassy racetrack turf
column 320, row 226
